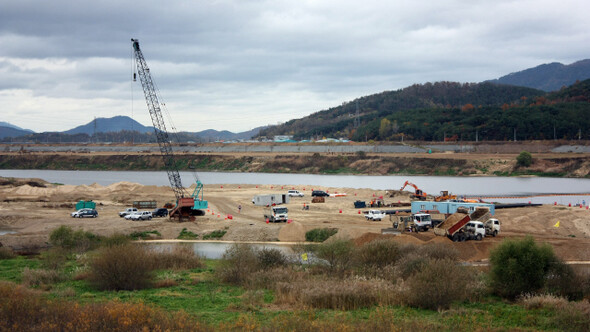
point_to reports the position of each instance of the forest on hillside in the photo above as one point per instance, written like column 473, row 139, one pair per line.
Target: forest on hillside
column 452, row 111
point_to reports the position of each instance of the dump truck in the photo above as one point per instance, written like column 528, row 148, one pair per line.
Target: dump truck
column 462, row 226
column 276, row 213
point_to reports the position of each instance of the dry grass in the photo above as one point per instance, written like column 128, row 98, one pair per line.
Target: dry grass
column 179, row 258
column 24, row 310
column 41, row 277
column 6, row 253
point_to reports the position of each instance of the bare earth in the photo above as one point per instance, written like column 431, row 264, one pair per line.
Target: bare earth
column 33, row 212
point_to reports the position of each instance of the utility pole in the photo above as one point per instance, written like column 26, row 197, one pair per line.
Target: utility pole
column 515, row 134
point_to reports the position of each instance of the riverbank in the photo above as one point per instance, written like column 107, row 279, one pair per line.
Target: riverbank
column 574, row 165
column 33, row 212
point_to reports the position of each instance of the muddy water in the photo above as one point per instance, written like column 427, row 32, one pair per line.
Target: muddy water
column 468, row 186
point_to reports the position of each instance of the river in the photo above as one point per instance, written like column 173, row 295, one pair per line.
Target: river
column 570, row 191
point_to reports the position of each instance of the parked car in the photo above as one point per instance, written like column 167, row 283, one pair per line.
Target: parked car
column 85, row 213
column 160, row 212
column 127, row 212
column 375, row 215
column 319, row 193
column 143, row 215
column 295, row 193
column 132, row 215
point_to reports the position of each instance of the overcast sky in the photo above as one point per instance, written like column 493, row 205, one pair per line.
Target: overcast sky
column 240, row 64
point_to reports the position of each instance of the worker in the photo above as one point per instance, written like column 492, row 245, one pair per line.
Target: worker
column 240, row 208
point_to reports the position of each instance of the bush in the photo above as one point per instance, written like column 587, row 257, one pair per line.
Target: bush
column 439, row 283
column 269, row 258
column 439, row 251
column 237, row 263
column 79, row 241
column 214, row 235
column 116, row 239
column 520, row 266
column 6, row 253
column 187, row 235
column 337, row 253
column 41, row 277
column 121, row 267
column 54, row 258
column 524, row 159
column 319, row 234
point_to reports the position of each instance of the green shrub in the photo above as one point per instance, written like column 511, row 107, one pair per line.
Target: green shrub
column 79, row 241
column 187, row 235
column 524, row 159
column 214, row 235
column 319, row 234
column 121, row 267
column 520, row 266
column 337, row 254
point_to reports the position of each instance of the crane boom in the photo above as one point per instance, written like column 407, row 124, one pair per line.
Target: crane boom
column 186, row 205
column 162, row 137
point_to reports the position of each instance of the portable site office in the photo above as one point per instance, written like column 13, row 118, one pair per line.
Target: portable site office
column 448, row 207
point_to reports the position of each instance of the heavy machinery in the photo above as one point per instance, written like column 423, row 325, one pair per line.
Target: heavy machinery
column 418, row 194
column 444, row 196
column 187, row 206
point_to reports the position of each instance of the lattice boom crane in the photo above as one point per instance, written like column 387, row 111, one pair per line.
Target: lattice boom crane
column 186, row 205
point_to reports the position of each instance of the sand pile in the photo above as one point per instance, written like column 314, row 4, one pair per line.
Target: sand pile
column 292, row 232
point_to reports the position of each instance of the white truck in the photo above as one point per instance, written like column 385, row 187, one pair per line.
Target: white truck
column 127, row 211
column 421, row 222
column 271, row 199
column 462, row 226
column 375, row 215
column 492, row 227
column 276, row 213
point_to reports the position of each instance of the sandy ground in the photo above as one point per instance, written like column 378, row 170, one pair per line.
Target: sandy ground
column 33, row 212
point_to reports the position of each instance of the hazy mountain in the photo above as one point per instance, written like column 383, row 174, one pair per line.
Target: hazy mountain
column 10, row 125
column 548, row 77
column 224, row 135
column 12, row 131
column 105, row 125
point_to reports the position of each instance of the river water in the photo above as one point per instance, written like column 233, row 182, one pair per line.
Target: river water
column 577, row 190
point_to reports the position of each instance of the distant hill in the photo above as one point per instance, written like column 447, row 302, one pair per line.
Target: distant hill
column 106, row 125
column 10, row 125
column 12, row 131
column 224, row 135
column 548, row 77
column 340, row 121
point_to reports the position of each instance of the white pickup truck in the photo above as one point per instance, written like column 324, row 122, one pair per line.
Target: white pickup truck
column 375, row 215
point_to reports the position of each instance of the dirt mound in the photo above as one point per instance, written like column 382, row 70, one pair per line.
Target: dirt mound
column 292, row 232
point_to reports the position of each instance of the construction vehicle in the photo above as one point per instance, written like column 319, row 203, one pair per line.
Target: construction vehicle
column 187, row 206
column 276, row 213
column 418, row 194
column 444, row 196
column 462, row 226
